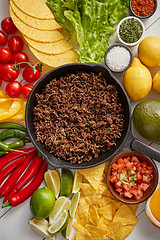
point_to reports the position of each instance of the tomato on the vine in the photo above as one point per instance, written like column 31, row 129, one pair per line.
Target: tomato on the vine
column 8, row 26
column 26, row 90
column 5, row 55
column 8, row 73
column 13, row 89
column 15, row 44
column 20, row 57
column 31, row 74
column 3, row 38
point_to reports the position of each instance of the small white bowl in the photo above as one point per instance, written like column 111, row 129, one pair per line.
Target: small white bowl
column 149, row 214
column 134, row 43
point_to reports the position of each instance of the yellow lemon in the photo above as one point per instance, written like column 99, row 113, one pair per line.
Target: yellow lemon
column 156, row 82
column 149, row 51
column 137, row 80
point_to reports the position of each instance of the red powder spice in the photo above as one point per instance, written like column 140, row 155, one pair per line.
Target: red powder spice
column 143, row 7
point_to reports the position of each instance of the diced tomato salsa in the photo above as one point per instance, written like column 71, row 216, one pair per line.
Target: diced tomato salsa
column 130, row 177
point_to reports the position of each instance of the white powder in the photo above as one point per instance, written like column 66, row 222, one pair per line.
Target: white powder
column 118, row 58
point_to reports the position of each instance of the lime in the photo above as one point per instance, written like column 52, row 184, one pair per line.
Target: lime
column 40, row 226
column 77, row 181
column 52, row 180
column 60, row 223
column 66, row 182
column 61, row 204
column 74, row 204
column 67, row 231
column 42, row 202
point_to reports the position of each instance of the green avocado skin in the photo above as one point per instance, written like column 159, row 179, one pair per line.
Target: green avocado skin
column 146, row 119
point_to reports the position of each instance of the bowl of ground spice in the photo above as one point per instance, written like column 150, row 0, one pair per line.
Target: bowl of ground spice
column 143, row 8
column 130, row 31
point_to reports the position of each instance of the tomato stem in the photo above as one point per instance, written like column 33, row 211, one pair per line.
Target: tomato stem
column 16, row 66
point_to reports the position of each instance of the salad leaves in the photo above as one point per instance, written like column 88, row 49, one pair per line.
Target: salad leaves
column 90, row 23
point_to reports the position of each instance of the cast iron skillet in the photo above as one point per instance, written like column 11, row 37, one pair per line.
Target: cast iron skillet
column 126, row 140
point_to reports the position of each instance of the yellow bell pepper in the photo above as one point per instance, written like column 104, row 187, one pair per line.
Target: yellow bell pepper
column 20, row 115
column 8, row 108
column 2, row 94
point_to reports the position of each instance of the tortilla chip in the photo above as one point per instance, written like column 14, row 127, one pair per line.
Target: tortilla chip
column 94, row 175
column 96, row 232
column 73, row 238
column 56, row 60
column 113, row 230
column 57, row 47
column 102, row 188
column 126, row 231
column 106, row 211
column 125, row 215
column 87, row 189
column 82, row 233
column 133, row 207
column 91, row 200
column 34, row 8
column 35, row 34
column 41, row 24
column 93, row 215
column 103, row 222
column 83, row 211
column 104, row 201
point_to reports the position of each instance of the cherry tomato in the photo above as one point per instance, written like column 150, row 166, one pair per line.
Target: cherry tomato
column 8, row 74
column 26, row 90
column 8, row 26
column 20, row 57
column 5, row 55
column 15, row 44
column 3, row 38
column 29, row 75
column 13, row 89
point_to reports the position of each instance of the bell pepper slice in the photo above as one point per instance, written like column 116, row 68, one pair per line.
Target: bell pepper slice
column 20, row 115
column 6, row 113
column 2, row 94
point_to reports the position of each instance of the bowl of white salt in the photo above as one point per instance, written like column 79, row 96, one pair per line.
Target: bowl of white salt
column 118, row 57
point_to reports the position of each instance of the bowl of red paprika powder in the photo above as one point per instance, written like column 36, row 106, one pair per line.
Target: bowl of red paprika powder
column 143, row 8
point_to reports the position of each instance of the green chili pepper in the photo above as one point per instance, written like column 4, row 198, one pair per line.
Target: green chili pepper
column 14, row 133
column 10, row 125
column 5, row 148
column 16, row 144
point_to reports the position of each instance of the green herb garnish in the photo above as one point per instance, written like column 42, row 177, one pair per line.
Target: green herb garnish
column 132, row 180
column 123, row 178
column 130, row 30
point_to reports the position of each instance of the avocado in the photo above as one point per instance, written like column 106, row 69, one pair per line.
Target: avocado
column 146, row 119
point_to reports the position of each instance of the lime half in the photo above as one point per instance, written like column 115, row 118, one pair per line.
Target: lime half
column 77, row 181
column 66, row 182
column 60, row 223
column 74, row 204
column 61, row 204
column 40, row 226
column 52, row 180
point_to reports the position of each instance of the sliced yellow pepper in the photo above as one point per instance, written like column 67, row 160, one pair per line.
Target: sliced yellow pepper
column 2, row 94
column 6, row 111
column 20, row 115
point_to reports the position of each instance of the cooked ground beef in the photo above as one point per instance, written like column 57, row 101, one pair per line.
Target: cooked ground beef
column 77, row 116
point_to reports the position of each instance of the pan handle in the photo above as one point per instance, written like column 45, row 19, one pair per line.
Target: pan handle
column 138, row 146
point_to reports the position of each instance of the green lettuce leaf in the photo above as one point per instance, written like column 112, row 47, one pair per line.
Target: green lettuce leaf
column 90, row 23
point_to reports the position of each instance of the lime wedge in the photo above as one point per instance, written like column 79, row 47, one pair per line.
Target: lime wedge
column 77, row 181
column 66, row 182
column 60, row 223
column 40, row 226
column 74, row 204
column 52, row 180
column 67, row 231
column 61, row 204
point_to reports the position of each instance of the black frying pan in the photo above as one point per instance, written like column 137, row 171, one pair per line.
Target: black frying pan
column 126, row 140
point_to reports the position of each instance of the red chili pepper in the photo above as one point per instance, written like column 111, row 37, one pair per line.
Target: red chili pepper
column 26, row 177
column 26, row 192
column 6, row 171
column 9, row 157
column 12, row 179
